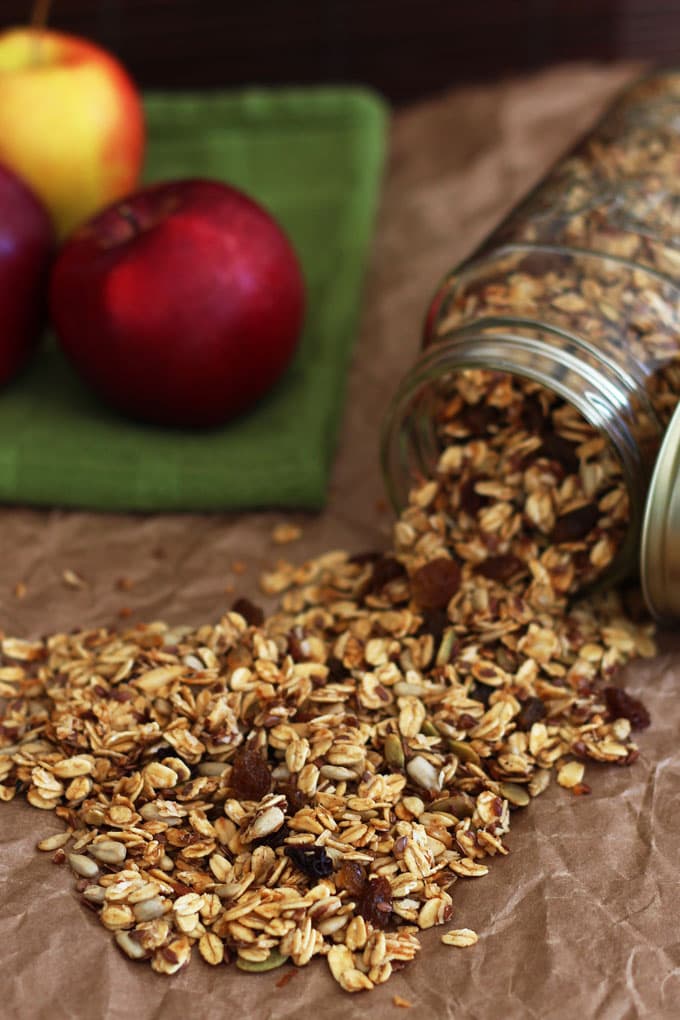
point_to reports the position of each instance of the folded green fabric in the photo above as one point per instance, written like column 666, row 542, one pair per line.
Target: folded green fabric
column 313, row 157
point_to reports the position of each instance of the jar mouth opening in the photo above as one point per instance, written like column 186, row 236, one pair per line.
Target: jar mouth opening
column 409, row 448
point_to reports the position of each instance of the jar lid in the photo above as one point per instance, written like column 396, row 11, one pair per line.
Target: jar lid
column 660, row 544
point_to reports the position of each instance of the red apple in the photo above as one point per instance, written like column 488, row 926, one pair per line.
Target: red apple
column 180, row 305
column 26, row 243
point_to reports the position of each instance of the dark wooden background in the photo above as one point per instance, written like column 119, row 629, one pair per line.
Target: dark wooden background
column 405, row 48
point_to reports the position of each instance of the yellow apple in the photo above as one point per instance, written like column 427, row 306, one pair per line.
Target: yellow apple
column 71, row 122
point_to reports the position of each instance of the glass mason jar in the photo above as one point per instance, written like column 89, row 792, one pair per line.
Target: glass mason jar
column 561, row 336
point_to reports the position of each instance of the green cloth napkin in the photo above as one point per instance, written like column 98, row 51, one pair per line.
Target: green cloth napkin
column 313, row 157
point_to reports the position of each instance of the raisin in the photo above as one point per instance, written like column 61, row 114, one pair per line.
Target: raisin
column 385, row 569
column 435, row 622
column 352, row 877
column 435, row 583
column 295, row 639
column 559, row 449
column 533, row 419
column 479, row 418
column 312, row 861
column 336, row 670
column 295, row 797
column 541, row 263
column 532, row 711
column 621, row 705
column 251, row 778
column 466, row 721
column 581, row 561
column 274, row 839
column 480, row 692
column 252, row 614
column 375, row 902
column 161, row 752
column 471, row 501
column 361, row 559
column 576, row 524
column 633, row 600
column 500, row 568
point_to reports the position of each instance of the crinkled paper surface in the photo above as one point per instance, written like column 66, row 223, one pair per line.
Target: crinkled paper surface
column 581, row 919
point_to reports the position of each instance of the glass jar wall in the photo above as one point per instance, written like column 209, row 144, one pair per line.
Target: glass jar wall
column 551, row 359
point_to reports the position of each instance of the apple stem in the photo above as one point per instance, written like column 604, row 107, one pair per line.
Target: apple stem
column 39, row 16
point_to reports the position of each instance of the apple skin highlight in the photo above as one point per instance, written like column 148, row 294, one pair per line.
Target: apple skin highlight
column 180, row 305
column 71, row 122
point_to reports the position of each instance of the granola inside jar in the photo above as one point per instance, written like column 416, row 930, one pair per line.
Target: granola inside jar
column 550, row 367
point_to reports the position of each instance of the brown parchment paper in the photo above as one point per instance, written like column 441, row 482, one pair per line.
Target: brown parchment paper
column 581, row 919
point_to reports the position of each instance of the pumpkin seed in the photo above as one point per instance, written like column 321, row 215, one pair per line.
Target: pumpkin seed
column 429, row 729
column 394, row 752
column 446, row 647
column 458, row 804
column 464, row 752
column 274, row 960
column 515, row 794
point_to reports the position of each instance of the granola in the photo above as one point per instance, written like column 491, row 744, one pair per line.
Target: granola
column 312, row 784
column 286, row 532
column 616, row 192
column 529, row 498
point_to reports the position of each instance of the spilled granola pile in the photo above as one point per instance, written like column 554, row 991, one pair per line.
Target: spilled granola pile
column 314, row 782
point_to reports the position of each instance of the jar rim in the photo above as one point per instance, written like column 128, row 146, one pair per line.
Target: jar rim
column 601, row 403
column 660, row 541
